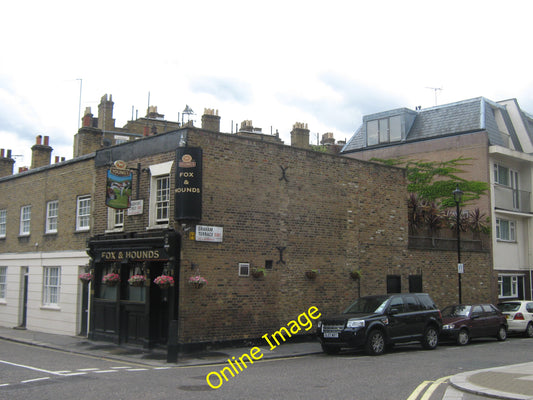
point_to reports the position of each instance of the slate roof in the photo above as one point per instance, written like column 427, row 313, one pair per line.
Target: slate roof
column 462, row 117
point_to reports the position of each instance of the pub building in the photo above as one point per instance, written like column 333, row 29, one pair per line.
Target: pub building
column 128, row 304
column 135, row 313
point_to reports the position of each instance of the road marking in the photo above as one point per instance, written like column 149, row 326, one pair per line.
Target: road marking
column 431, row 387
column 36, row 379
column 87, row 369
column 4, row 384
column 418, row 390
column 137, row 369
column 75, row 374
column 105, row 371
column 120, row 367
column 28, row 367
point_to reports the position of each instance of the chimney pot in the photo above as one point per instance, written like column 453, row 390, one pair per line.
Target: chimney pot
column 57, row 159
column 39, row 139
column 9, row 154
column 2, row 153
column 46, row 139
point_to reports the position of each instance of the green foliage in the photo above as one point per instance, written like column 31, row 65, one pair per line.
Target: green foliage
column 319, row 148
column 435, row 181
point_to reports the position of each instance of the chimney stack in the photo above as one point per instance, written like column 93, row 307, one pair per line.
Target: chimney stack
column 211, row 120
column 300, row 136
column 41, row 153
column 105, row 114
column 6, row 163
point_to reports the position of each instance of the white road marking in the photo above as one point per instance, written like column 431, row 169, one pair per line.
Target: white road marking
column 137, row 369
column 105, row 371
column 28, row 367
column 36, row 379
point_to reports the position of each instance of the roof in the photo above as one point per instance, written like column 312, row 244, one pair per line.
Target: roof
column 467, row 116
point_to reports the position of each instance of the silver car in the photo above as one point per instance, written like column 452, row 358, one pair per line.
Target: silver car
column 519, row 314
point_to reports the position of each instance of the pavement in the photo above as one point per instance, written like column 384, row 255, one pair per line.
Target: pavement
column 514, row 382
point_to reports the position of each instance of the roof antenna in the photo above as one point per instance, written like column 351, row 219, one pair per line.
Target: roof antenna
column 435, row 89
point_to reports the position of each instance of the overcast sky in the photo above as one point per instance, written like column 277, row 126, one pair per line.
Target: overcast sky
column 324, row 63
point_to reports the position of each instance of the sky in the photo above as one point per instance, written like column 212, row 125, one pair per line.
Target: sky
column 324, row 63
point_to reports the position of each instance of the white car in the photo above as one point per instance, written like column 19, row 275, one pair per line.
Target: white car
column 519, row 314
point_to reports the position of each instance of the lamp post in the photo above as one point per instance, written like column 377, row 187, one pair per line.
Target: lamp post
column 457, row 196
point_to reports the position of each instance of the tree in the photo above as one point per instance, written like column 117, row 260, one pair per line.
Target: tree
column 435, row 181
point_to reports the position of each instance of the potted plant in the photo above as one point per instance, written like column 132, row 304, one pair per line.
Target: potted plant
column 355, row 274
column 137, row 280
column 86, row 277
column 258, row 273
column 111, row 279
column 164, row 281
column 197, row 281
column 311, row 274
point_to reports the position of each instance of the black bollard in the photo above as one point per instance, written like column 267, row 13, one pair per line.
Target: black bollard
column 172, row 345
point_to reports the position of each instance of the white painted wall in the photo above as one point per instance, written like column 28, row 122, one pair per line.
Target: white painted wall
column 65, row 318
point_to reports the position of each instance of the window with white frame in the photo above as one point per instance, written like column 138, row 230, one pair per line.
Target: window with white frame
column 501, row 175
column 244, row 269
column 115, row 219
column 25, row 219
column 83, row 213
column 3, row 283
column 505, row 230
column 51, row 285
column 162, row 199
column 159, row 213
column 52, row 211
column 508, row 286
column 3, row 223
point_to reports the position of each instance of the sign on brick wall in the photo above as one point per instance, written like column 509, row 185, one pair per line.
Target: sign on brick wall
column 188, row 192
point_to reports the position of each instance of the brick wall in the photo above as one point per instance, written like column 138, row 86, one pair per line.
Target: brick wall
column 63, row 182
column 330, row 213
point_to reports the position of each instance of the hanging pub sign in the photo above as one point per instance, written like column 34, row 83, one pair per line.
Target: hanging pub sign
column 118, row 188
column 188, row 192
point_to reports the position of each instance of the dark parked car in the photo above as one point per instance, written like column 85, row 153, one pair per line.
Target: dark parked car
column 374, row 322
column 465, row 321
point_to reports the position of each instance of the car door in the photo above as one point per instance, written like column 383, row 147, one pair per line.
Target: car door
column 529, row 309
column 477, row 321
column 396, row 329
column 492, row 320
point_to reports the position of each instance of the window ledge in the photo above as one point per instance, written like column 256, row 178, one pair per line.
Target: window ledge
column 51, row 308
column 114, row 230
column 3, row 302
column 152, row 227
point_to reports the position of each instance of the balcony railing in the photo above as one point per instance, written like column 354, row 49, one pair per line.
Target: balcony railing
column 511, row 199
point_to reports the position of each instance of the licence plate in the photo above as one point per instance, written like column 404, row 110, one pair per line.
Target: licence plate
column 331, row 334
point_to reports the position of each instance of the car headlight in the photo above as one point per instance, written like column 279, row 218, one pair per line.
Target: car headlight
column 448, row 326
column 355, row 323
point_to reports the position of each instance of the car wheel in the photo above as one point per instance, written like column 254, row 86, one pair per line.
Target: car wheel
column 529, row 330
column 502, row 333
column 431, row 338
column 330, row 349
column 375, row 344
column 463, row 337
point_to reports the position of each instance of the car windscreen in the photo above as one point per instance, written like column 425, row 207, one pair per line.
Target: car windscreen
column 456, row 311
column 368, row 305
column 509, row 306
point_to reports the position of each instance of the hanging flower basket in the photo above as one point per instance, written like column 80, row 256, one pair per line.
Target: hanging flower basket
column 137, row 280
column 258, row 273
column 355, row 274
column 311, row 274
column 197, row 281
column 164, row 281
column 111, row 279
column 86, row 277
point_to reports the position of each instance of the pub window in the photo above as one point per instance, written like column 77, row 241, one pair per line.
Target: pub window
column 244, row 269
column 159, row 211
column 115, row 219
column 394, row 284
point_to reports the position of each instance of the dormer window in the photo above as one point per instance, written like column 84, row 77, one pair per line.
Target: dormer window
column 384, row 130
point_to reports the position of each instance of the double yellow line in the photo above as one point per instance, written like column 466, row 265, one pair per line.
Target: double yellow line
column 433, row 385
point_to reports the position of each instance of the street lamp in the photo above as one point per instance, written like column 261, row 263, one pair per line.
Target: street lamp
column 457, row 196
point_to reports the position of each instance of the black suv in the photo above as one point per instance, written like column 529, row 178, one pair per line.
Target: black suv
column 375, row 322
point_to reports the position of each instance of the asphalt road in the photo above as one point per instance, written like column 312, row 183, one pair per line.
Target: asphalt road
column 28, row 372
